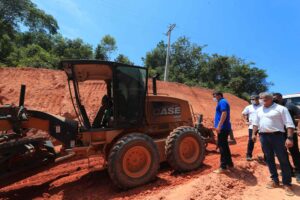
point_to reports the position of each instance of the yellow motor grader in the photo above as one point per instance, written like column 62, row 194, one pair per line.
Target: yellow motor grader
column 135, row 130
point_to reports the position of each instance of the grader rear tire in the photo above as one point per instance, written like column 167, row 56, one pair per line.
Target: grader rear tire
column 133, row 161
column 185, row 149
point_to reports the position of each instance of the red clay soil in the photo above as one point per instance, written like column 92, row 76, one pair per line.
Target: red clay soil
column 80, row 180
column 84, row 179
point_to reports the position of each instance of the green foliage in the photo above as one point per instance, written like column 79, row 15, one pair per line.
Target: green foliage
column 185, row 59
column 6, row 46
column 105, row 48
column 123, row 59
column 189, row 65
column 43, row 50
column 34, row 56
column 13, row 13
column 155, row 59
column 73, row 49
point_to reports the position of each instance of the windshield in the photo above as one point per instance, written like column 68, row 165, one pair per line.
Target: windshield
column 130, row 92
column 294, row 100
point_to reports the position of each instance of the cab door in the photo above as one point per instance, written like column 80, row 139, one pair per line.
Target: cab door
column 130, row 87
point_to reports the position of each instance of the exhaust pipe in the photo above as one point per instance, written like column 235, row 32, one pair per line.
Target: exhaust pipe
column 22, row 95
column 154, row 78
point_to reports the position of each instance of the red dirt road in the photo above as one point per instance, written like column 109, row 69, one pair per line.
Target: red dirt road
column 76, row 180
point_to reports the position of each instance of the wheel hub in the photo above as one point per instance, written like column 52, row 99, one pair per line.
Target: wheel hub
column 189, row 150
column 136, row 161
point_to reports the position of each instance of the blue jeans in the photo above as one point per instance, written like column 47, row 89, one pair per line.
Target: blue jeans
column 250, row 144
column 225, row 157
column 274, row 143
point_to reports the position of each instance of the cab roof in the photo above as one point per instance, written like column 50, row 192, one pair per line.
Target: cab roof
column 92, row 69
column 65, row 63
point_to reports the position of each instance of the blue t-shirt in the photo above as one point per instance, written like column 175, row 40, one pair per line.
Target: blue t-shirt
column 222, row 106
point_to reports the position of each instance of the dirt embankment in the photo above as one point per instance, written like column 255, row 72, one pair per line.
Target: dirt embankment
column 47, row 90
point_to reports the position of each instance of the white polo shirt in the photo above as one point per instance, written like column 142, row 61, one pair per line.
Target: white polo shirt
column 250, row 110
column 272, row 119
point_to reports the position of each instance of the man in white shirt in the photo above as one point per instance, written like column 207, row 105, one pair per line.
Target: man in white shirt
column 248, row 114
column 270, row 120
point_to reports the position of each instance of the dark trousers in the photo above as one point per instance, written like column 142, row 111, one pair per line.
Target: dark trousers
column 250, row 144
column 225, row 157
column 231, row 136
column 274, row 143
column 294, row 151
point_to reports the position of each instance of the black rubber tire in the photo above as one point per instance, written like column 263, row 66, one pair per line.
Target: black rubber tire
column 115, row 160
column 172, row 149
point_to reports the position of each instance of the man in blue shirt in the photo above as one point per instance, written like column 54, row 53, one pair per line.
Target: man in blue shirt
column 223, row 128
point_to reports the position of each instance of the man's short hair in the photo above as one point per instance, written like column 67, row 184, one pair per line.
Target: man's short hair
column 266, row 95
column 277, row 94
column 254, row 96
column 218, row 93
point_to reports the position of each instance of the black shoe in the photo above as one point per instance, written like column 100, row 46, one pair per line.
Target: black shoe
column 231, row 165
column 293, row 174
column 249, row 158
column 232, row 142
column 261, row 159
column 272, row 185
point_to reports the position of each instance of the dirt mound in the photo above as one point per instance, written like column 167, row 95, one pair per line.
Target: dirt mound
column 215, row 187
column 47, row 91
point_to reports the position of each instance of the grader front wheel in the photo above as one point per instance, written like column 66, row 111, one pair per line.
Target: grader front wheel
column 133, row 161
column 185, row 149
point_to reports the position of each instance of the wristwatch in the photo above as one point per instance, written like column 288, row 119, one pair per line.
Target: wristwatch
column 290, row 138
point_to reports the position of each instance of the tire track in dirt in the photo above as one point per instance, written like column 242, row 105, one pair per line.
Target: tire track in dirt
column 77, row 179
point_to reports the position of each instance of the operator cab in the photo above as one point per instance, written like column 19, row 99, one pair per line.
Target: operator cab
column 122, row 105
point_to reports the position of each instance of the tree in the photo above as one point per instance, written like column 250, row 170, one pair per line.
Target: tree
column 155, row 59
column 105, row 48
column 39, row 38
column 123, row 59
column 189, row 65
column 216, row 71
column 185, row 61
column 76, row 49
column 33, row 56
column 13, row 14
column 38, row 49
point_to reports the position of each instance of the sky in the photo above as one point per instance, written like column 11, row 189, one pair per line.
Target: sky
column 266, row 32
